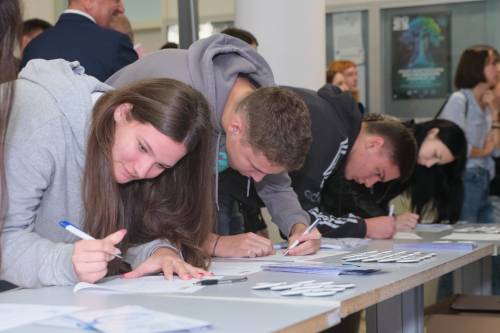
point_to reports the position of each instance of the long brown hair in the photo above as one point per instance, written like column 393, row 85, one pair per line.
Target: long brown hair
column 178, row 205
column 10, row 23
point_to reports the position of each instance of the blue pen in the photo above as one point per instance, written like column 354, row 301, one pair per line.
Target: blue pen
column 79, row 233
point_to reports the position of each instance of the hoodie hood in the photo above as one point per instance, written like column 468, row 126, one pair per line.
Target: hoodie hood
column 68, row 84
column 344, row 106
column 215, row 63
column 335, row 124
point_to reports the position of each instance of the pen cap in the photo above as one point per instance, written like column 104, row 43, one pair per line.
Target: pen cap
column 64, row 224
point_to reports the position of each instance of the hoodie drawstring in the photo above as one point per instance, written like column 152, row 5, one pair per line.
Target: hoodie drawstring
column 216, row 169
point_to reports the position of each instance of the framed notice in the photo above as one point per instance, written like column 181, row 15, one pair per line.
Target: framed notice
column 420, row 66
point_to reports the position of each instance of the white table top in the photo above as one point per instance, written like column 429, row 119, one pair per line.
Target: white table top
column 231, row 307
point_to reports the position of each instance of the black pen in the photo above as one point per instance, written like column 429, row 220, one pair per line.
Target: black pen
column 210, row 282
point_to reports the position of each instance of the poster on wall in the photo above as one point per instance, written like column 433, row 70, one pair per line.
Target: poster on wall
column 347, row 30
column 420, row 56
column 348, row 37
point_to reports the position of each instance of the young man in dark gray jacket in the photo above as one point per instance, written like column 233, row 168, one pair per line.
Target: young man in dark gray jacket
column 376, row 149
column 229, row 73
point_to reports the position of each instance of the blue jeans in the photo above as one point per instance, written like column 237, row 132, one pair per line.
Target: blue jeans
column 477, row 207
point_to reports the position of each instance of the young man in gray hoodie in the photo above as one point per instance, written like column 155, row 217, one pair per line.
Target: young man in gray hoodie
column 227, row 71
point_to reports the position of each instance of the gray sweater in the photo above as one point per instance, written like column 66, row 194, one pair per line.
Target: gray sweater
column 211, row 66
column 45, row 157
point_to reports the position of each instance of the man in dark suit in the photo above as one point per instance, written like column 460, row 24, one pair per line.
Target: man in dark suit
column 82, row 34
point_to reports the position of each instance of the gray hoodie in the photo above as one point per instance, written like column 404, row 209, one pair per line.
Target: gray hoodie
column 45, row 157
column 211, row 66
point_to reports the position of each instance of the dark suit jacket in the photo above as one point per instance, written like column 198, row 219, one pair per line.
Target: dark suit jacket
column 75, row 37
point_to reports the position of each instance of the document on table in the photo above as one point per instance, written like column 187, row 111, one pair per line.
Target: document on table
column 480, row 229
column 433, row 227
column 14, row 315
column 343, row 244
column 279, row 257
column 472, row 236
column 219, row 266
column 124, row 319
column 146, row 285
column 406, row 235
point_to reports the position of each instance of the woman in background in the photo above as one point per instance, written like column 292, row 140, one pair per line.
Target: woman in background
column 337, row 79
column 476, row 74
column 350, row 72
column 434, row 190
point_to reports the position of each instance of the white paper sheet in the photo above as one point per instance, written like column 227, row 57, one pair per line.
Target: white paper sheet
column 147, row 285
column 406, row 235
column 234, row 268
column 473, row 236
column 130, row 318
column 279, row 257
column 343, row 244
column 480, row 229
column 14, row 315
column 433, row 227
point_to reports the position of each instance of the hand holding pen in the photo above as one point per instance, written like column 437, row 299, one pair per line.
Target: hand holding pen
column 310, row 239
column 91, row 256
column 404, row 222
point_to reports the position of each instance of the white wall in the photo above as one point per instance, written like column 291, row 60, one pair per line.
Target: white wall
column 293, row 44
column 43, row 9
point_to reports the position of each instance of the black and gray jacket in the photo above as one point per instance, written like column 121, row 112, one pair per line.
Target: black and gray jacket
column 336, row 123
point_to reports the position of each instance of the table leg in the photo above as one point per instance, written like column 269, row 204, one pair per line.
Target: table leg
column 402, row 313
column 473, row 279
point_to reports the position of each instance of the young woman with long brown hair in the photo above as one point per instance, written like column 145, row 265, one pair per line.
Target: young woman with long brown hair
column 135, row 173
column 10, row 22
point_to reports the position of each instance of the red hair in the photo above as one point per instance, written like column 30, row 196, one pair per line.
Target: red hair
column 340, row 66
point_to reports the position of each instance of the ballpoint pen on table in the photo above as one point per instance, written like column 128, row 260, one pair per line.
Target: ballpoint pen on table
column 80, row 234
column 209, row 282
column 296, row 242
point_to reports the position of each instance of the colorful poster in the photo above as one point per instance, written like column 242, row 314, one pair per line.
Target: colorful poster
column 420, row 56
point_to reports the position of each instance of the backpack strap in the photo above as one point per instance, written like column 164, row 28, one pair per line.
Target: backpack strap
column 441, row 108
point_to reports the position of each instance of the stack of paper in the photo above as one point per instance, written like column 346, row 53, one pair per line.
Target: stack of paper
column 320, row 269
